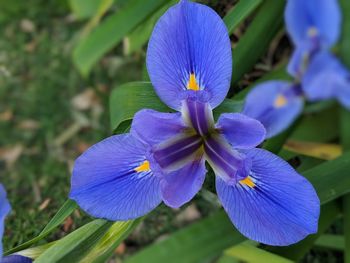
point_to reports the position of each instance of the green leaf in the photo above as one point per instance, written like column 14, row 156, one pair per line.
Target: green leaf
column 68, row 207
column 318, row 127
column 35, row 252
column 202, row 240
column 74, row 246
column 129, row 98
column 328, row 241
column 250, row 253
column 330, row 178
column 325, row 151
column 110, row 241
column 239, row 13
column 139, row 36
column 111, row 31
column 83, row 9
column 264, row 27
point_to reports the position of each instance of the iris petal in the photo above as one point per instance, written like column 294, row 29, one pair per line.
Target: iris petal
column 241, row 131
column 276, row 104
column 327, row 78
column 313, row 18
column 174, row 153
column 189, row 55
column 198, row 115
column 112, row 180
column 226, row 162
column 279, row 208
column 154, row 127
column 180, row 186
column 16, row 259
column 4, row 210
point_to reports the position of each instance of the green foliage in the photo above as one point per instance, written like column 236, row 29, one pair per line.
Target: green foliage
column 239, row 13
column 68, row 207
column 264, row 27
column 196, row 243
column 213, row 236
column 74, row 246
column 111, row 31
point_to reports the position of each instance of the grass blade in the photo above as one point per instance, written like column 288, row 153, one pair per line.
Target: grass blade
column 239, row 13
column 199, row 241
column 92, row 47
column 264, row 27
column 68, row 207
column 74, row 246
column 250, row 253
column 110, row 241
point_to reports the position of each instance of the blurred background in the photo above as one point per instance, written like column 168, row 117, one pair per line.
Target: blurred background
column 59, row 62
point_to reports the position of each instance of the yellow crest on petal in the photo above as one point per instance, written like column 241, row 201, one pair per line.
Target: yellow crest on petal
column 280, row 101
column 144, row 167
column 248, row 181
column 192, row 83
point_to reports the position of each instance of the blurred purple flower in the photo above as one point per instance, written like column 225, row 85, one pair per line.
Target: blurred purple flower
column 313, row 25
column 163, row 159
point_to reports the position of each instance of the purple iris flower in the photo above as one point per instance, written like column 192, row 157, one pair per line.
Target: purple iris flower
column 313, row 25
column 163, row 158
column 4, row 210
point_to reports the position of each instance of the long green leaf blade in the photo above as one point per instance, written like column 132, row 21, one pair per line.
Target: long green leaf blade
column 199, row 241
column 256, row 40
column 111, row 31
column 249, row 253
column 68, row 207
column 239, row 13
column 110, row 241
column 73, row 247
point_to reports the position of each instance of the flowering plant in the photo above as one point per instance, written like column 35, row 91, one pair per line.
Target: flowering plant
column 166, row 155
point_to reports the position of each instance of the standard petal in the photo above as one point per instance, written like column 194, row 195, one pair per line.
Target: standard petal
column 154, row 127
column 313, row 18
column 274, row 205
column 181, row 186
column 276, row 104
column 241, row 131
column 4, row 210
column 189, row 55
column 16, row 259
column 113, row 179
column 326, row 78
